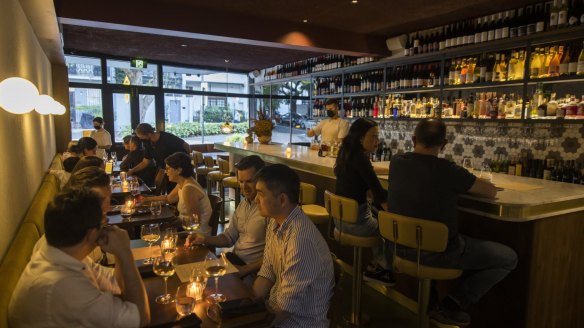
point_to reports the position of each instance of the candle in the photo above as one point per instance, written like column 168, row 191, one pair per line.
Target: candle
column 195, row 290
column 288, row 150
column 125, row 185
column 167, row 244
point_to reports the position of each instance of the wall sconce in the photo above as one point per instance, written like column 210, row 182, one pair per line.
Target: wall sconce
column 18, row 95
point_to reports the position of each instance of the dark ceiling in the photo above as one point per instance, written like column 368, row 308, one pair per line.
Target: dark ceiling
column 252, row 34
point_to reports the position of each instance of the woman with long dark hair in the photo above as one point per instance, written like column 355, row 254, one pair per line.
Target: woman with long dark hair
column 356, row 179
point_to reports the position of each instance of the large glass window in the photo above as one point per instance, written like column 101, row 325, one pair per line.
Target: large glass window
column 120, row 72
column 83, row 69
column 122, row 115
column 85, row 105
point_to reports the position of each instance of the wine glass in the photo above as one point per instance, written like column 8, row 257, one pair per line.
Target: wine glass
column 185, row 303
column 216, row 267
column 164, row 266
column 467, row 164
column 150, row 233
column 190, row 222
column 114, row 157
column 134, row 187
column 486, row 173
column 156, row 208
column 172, row 234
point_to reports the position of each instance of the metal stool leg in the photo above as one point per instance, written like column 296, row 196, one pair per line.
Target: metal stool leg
column 237, row 197
column 357, row 280
column 222, row 195
column 423, row 299
column 209, row 187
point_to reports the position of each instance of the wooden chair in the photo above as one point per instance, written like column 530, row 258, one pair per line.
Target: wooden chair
column 421, row 235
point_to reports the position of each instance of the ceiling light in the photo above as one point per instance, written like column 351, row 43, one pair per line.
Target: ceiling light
column 305, row 20
column 184, row 45
column 18, row 95
column 354, row 1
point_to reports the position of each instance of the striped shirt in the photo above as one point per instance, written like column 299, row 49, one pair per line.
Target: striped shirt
column 297, row 260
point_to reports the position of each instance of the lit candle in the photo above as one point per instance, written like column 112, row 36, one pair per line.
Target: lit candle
column 167, row 244
column 125, row 185
column 129, row 204
column 288, row 150
column 195, row 290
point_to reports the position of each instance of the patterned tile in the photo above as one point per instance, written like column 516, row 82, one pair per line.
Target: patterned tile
column 571, row 145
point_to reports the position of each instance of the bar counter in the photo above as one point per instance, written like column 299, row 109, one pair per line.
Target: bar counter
column 543, row 221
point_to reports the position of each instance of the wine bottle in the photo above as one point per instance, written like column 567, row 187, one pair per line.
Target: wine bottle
column 491, row 29
column 554, row 12
column 499, row 26
column 506, row 25
column 574, row 11
column 477, row 35
column 580, row 67
column 563, row 14
column 554, row 64
column 565, row 61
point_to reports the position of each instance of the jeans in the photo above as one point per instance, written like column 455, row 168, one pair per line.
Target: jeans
column 366, row 225
column 484, row 263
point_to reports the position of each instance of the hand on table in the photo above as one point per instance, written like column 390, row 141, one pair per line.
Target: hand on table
column 195, row 239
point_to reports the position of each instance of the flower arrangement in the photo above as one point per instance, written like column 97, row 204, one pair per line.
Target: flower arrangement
column 263, row 127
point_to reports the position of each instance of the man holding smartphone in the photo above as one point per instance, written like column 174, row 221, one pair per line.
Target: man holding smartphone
column 247, row 230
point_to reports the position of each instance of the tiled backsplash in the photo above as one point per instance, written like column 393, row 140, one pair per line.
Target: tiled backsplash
column 486, row 141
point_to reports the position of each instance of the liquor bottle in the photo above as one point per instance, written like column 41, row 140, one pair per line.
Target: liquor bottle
column 463, row 71
column 478, row 28
column 580, row 67
column 511, row 67
column 545, row 63
column 541, row 14
column 491, row 29
column 565, row 61
column 563, row 14
column 496, row 69
column 535, row 64
column 554, row 65
column 502, row 69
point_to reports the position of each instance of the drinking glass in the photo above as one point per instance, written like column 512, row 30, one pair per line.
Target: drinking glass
column 134, row 187
column 185, row 303
column 467, row 164
column 216, row 267
column 486, row 173
column 190, row 222
column 104, row 157
column 164, row 266
column 114, row 157
column 156, row 208
column 150, row 233
column 171, row 233
column 199, row 277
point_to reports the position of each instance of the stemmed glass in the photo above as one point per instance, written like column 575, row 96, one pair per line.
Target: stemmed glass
column 190, row 222
column 134, row 187
column 114, row 157
column 185, row 303
column 156, row 208
column 216, row 267
column 164, row 266
column 486, row 173
column 150, row 233
column 467, row 164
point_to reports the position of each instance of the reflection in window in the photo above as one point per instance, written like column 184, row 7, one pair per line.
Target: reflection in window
column 120, row 72
column 203, row 80
column 83, row 69
column 122, row 116
column 85, row 105
column 147, row 105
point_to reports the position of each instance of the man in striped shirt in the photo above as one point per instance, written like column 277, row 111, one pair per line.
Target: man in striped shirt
column 297, row 269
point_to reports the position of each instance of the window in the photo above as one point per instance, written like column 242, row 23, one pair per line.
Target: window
column 83, row 69
column 120, row 72
column 85, row 105
column 216, row 101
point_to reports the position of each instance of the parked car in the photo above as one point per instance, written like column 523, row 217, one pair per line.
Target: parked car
column 298, row 121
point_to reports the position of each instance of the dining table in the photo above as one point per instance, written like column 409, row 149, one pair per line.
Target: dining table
column 141, row 216
column 230, row 285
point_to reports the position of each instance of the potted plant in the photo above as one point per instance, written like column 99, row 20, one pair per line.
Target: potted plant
column 263, row 127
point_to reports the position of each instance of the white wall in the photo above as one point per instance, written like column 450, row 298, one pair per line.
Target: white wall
column 27, row 142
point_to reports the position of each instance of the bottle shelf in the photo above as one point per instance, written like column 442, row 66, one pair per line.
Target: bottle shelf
column 483, row 85
column 413, row 90
column 561, row 79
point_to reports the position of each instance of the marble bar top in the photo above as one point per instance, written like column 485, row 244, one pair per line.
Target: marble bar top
column 521, row 199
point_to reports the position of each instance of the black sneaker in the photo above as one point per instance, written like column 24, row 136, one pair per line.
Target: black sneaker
column 450, row 317
column 380, row 276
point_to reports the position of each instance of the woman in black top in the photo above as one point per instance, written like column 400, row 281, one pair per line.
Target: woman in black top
column 135, row 157
column 355, row 179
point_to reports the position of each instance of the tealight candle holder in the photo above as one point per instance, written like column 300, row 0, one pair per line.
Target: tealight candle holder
column 195, row 290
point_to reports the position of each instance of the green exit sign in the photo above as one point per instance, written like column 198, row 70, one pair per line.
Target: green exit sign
column 139, row 63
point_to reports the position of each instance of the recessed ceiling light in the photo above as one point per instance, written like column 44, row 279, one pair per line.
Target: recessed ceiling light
column 354, row 1
column 183, row 45
column 305, row 20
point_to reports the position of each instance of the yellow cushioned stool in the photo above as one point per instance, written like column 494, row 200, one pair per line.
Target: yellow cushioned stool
column 209, row 166
column 318, row 214
column 217, row 176
column 422, row 235
column 346, row 210
column 231, row 182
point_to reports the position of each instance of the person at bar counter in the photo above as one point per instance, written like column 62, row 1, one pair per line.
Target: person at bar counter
column 87, row 146
column 135, row 157
column 424, row 186
column 62, row 287
column 356, row 179
column 247, row 230
column 191, row 197
column 158, row 146
column 297, row 269
column 101, row 136
column 333, row 129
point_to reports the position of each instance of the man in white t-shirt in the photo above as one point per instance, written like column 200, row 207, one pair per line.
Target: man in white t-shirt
column 332, row 129
column 101, row 136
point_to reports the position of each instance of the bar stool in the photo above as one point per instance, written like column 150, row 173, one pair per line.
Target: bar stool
column 422, row 235
column 203, row 171
column 318, row 214
column 229, row 182
column 217, row 176
column 346, row 210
